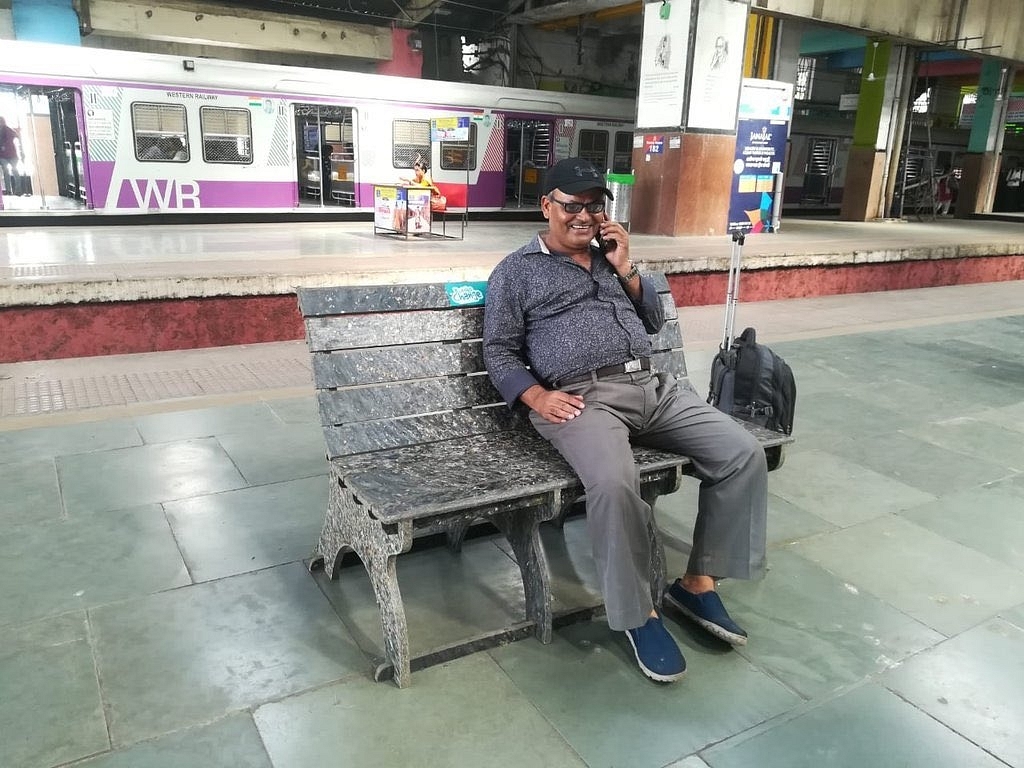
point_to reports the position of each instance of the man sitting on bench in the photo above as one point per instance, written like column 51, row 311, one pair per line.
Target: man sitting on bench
column 571, row 305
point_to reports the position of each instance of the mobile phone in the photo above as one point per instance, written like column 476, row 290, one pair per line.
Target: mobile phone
column 606, row 244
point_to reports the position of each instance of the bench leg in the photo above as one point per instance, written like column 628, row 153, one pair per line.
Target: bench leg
column 658, row 566
column 348, row 526
column 384, row 578
column 523, row 533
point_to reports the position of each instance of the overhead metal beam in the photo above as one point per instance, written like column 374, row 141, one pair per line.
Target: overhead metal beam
column 416, row 11
column 197, row 24
column 565, row 10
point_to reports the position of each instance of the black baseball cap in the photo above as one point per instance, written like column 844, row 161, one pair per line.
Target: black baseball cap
column 574, row 175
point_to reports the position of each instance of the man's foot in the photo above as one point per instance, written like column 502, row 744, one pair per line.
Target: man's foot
column 656, row 651
column 706, row 609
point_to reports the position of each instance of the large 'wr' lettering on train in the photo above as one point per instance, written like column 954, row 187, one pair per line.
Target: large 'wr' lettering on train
column 174, row 194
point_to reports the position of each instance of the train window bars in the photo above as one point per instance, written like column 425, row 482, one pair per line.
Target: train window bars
column 227, row 135
column 411, row 139
column 160, row 132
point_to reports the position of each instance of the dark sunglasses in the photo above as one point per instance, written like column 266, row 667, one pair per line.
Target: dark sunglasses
column 574, row 207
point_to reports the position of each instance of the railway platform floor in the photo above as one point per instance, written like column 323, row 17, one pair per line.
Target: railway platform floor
column 156, row 611
column 93, row 262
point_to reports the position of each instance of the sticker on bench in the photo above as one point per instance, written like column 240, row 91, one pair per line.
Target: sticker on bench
column 466, row 294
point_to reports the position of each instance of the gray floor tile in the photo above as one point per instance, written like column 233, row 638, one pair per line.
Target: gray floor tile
column 63, row 565
column 817, row 633
column 188, row 656
column 920, row 464
column 841, row 491
column 973, row 684
column 841, row 414
column 865, row 727
column 246, row 418
column 232, row 742
column 249, row 529
column 285, row 452
column 448, row 597
column 1009, row 417
column 938, row 582
column 464, row 714
column 976, row 437
column 787, row 522
column 50, row 708
column 296, row 410
column 987, row 518
column 128, row 477
column 689, row 762
column 48, row 442
column 30, row 492
column 1014, row 615
column 587, row 684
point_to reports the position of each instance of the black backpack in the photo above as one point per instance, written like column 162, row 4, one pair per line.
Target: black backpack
column 751, row 382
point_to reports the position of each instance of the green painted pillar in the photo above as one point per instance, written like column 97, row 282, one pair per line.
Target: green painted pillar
column 863, row 189
column 980, row 167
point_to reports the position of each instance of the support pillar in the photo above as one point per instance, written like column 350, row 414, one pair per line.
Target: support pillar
column 878, row 110
column 686, row 116
column 981, row 163
column 45, row 21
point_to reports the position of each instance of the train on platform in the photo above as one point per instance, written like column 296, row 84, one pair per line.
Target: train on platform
column 116, row 132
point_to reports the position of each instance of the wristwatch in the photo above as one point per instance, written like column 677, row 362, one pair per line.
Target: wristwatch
column 633, row 272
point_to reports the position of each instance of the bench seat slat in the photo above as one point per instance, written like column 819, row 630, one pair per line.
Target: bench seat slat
column 428, row 479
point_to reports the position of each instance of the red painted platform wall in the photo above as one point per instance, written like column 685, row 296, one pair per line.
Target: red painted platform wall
column 85, row 330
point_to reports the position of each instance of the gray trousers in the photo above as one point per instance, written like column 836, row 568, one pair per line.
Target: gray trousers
column 653, row 410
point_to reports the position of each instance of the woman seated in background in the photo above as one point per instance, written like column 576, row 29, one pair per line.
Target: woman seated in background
column 421, row 178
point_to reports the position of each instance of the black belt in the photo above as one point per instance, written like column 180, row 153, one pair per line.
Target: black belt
column 630, row 366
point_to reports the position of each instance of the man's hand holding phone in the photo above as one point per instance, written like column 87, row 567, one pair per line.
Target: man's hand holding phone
column 613, row 239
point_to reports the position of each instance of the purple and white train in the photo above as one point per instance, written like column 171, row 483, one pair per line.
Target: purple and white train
column 118, row 132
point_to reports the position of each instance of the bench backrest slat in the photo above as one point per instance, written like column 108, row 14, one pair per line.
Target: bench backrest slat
column 400, row 365
column 349, row 367
column 383, row 328
column 395, row 400
column 364, row 436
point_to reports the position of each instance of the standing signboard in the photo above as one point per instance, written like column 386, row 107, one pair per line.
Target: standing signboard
column 762, row 130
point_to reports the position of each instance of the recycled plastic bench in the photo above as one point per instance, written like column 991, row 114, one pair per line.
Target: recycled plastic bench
column 419, row 442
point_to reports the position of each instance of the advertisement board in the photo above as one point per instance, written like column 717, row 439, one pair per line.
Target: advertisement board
column 761, row 135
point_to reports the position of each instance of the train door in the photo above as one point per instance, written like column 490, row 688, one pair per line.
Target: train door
column 528, row 153
column 821, row 161
column 46, row 120
column 325, row 161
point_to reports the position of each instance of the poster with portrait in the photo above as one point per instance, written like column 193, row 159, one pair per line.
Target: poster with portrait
column 385, row 204
column 663, row 51
column 717, row 64
column 418, row 220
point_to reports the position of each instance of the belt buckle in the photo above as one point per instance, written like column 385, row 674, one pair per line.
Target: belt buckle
column 632, row 366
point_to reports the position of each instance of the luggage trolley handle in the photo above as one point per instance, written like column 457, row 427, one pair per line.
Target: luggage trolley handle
column 732, row 294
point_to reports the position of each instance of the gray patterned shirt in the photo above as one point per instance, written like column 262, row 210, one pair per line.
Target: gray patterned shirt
column 547, row 312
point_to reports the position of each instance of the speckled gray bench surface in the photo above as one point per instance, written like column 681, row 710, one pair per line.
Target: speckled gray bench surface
column 418, row 440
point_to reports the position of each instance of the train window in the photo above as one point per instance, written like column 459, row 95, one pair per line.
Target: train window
column 622, row 160
column 594, row 147
column 160, row 132
column 460, row 155
column 227, row 135
column 410, row 139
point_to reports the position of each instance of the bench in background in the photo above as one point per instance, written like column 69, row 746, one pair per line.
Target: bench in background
column 419, row 442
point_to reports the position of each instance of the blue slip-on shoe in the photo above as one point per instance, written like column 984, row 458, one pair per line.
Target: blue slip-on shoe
column 656, row 651
column 707, row 610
